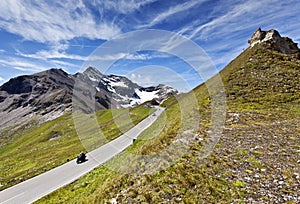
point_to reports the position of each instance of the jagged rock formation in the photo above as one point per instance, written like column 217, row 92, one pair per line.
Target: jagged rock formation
column 273, row 39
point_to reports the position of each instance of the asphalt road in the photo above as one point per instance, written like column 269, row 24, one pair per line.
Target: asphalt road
column 43, row 184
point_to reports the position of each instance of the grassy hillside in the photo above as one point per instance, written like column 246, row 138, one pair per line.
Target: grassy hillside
column 256, row 160
column 33, row 149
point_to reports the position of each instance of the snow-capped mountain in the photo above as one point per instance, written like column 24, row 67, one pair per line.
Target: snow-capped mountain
column 49, row 94
column 123, row 91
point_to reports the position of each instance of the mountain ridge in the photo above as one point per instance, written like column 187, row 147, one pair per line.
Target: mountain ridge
column 49, row 94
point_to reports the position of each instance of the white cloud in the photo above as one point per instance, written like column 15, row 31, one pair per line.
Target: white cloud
column 53, row 22
column 132, row 76
column 52, row 54
column 31, row 66
column 154, row 74
column 22, row 64
column 59, row 63
column 1, row 79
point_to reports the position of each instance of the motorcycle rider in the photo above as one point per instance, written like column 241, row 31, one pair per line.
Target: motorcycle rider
column 81, row 158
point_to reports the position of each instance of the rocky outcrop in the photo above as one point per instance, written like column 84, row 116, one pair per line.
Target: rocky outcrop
column 273, row 39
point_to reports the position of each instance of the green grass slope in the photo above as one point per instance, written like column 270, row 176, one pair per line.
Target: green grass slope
column 256, row 159
column 29, row 151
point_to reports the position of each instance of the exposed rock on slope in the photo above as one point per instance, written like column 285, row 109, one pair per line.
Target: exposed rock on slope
column 273, row 39
column 47, row 94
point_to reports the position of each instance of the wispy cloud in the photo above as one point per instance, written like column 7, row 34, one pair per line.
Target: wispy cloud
column 1, row 79
column 59, row 63
column 53, row 54
column 22, row 64
column 225, row 35
column 59, row 53
column 226, row 20
column 53, row 22
column 243, row 16
column 126, row 56
column 171, row 11
column 122, row 6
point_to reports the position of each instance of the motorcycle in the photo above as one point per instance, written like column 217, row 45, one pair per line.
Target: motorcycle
column 81, row 158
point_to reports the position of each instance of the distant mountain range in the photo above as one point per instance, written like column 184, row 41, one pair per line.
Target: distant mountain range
column 50, row 93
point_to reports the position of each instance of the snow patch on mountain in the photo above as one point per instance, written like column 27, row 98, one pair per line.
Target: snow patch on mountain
column 125, row 92
column 143, row 96
column 92, row 78
column 119, row 84
column 146, row 96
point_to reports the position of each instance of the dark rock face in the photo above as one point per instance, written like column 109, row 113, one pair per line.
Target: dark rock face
column 46, row 95
column 40, row 89
column 17, row 85
column 273, row 39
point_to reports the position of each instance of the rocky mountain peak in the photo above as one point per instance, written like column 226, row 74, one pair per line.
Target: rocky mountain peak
column 53, row 71
column 92, row 71
column 17, row 85
column 49, row 94
column 91, row 74
column 274, row 40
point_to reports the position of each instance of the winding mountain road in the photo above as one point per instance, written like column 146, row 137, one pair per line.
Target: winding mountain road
column 43, row 184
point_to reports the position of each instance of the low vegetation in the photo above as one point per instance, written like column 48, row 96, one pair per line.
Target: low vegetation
column 256, row 159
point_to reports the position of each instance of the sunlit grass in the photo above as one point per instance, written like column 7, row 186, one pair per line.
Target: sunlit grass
column 42, row 147
column 213, row 179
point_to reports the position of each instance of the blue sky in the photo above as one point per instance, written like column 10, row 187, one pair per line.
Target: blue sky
column 38, row 35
